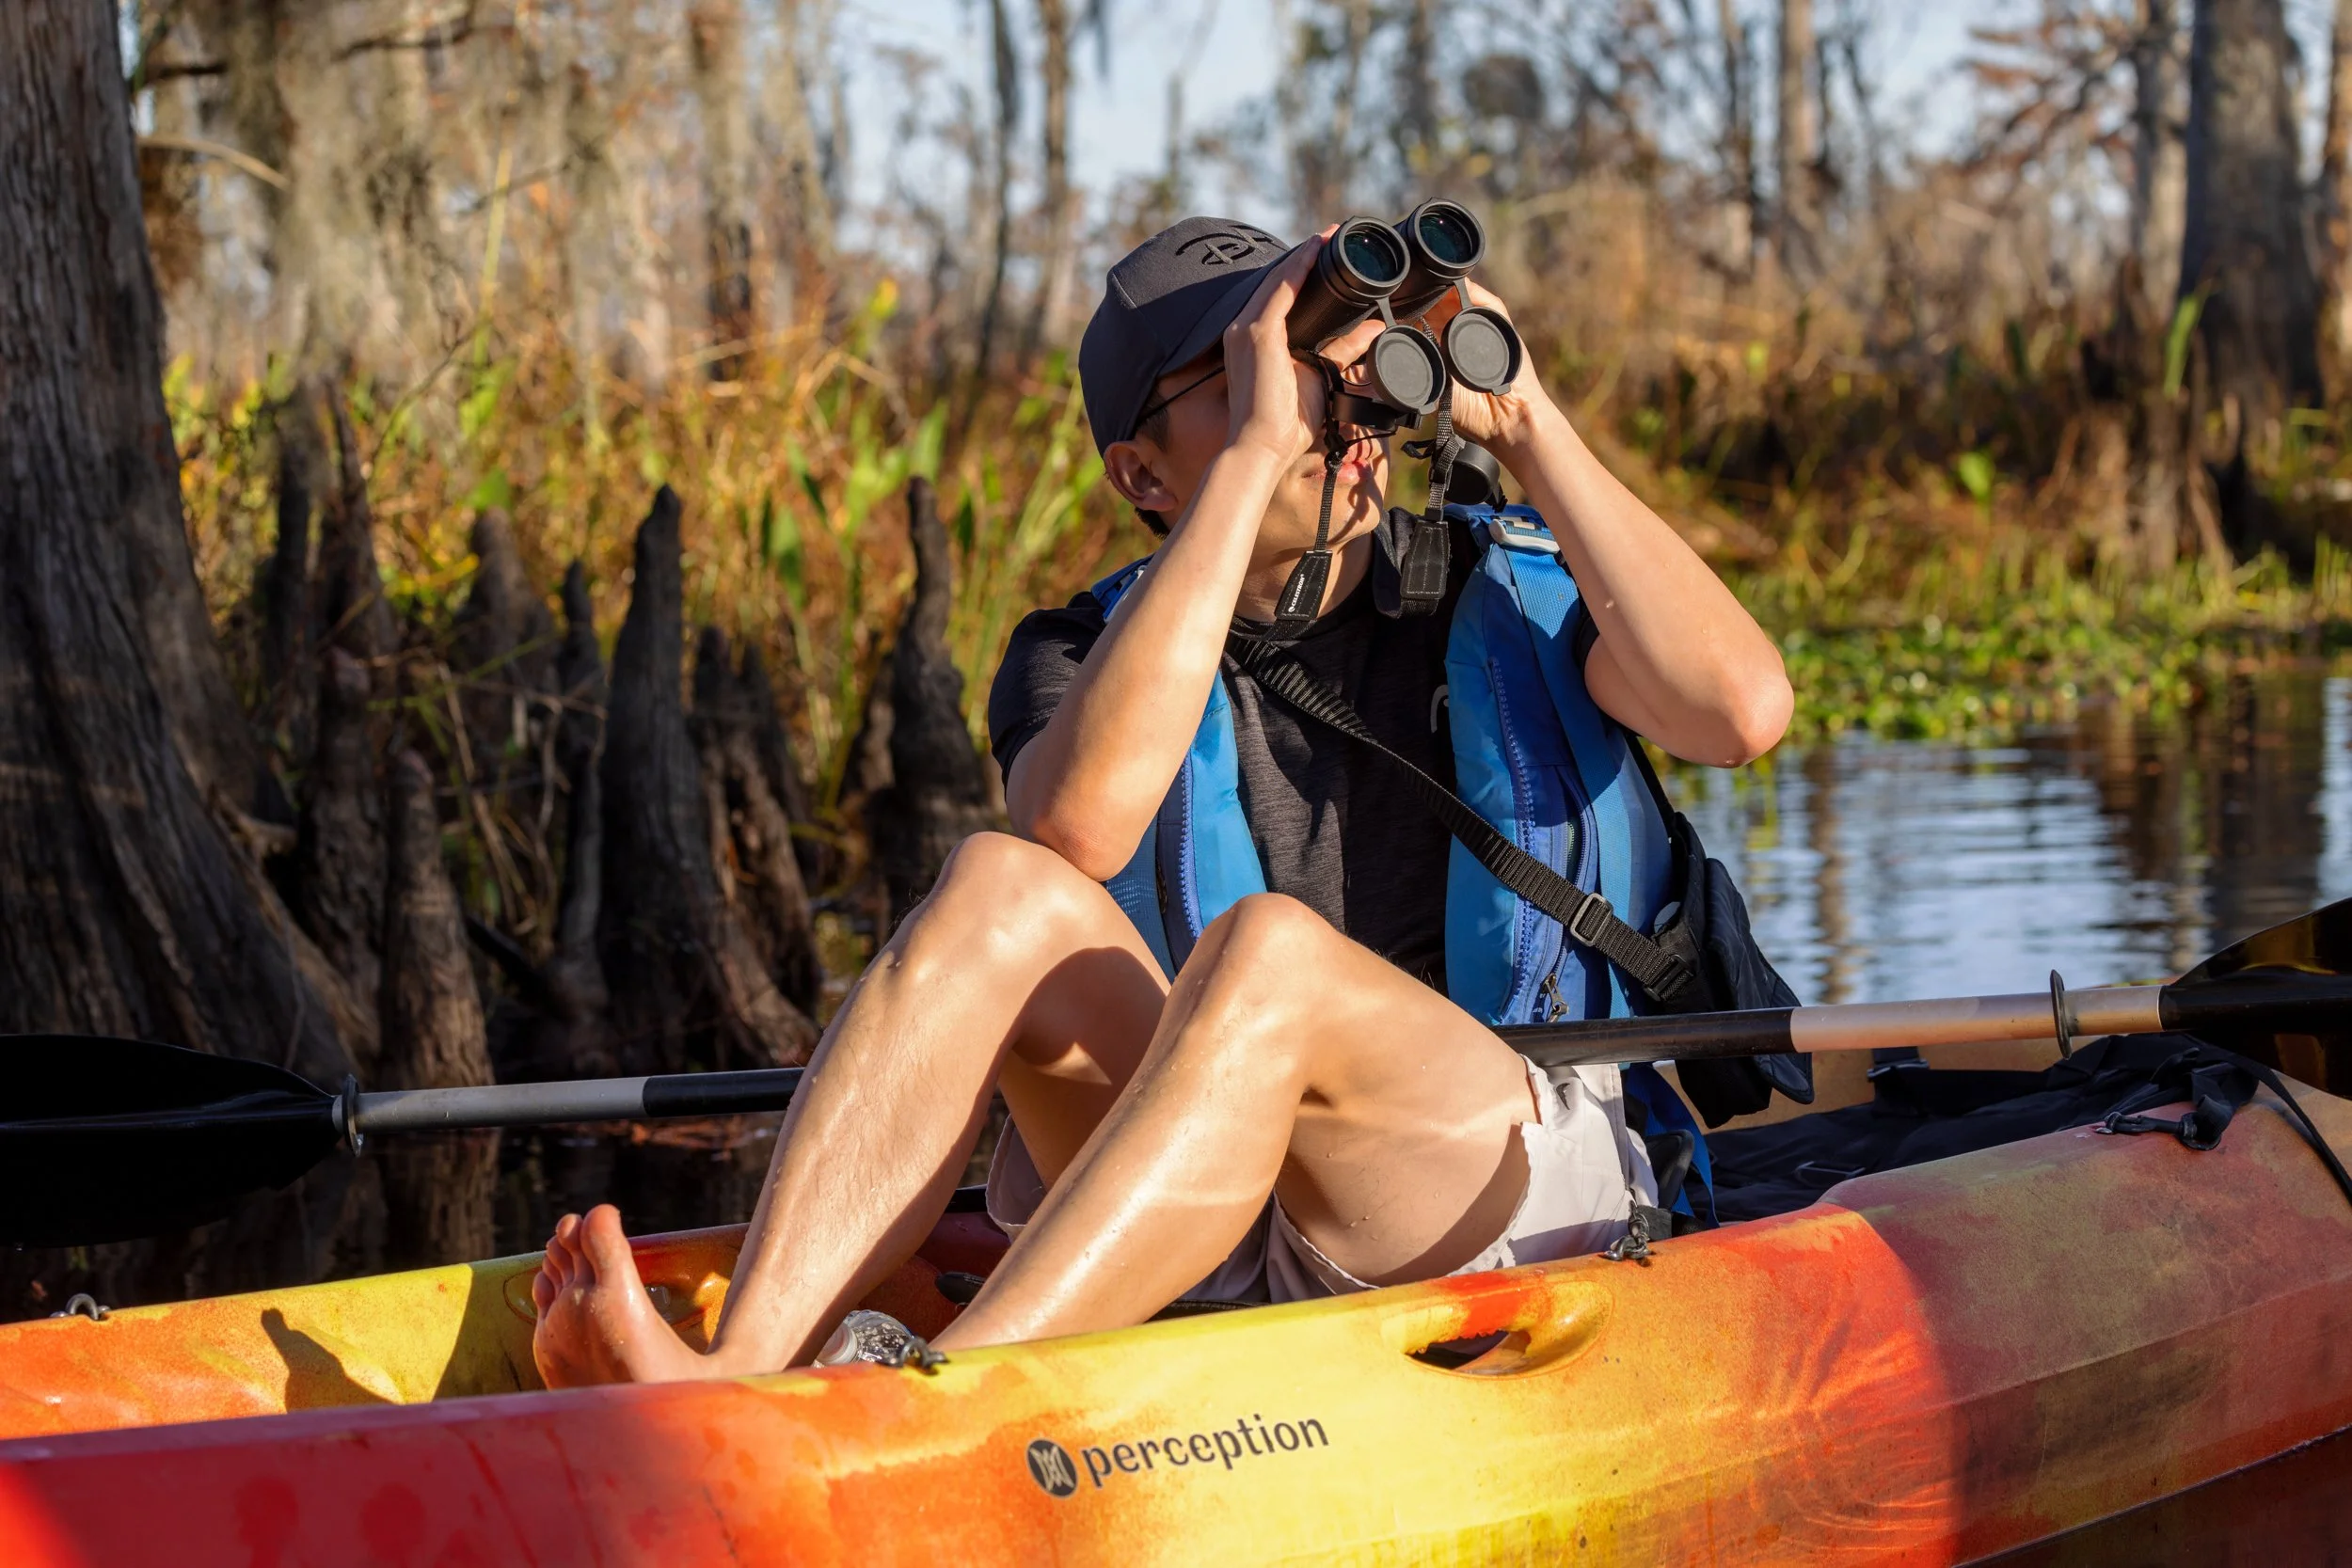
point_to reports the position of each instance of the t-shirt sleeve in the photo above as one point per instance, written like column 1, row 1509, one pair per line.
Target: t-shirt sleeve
column 1041, row 660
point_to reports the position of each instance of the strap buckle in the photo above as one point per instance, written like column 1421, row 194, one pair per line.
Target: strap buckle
column 1575, row 921
column 1520, row 533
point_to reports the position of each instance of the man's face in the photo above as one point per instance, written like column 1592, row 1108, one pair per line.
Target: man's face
column 1198, row 426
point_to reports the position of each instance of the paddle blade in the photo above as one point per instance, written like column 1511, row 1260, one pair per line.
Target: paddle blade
column 109, row 1140
column 2280, row 996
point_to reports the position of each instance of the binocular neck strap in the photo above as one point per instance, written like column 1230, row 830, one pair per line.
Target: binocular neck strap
column 1444, row 447
column 1302, row 595
column 1420, row 548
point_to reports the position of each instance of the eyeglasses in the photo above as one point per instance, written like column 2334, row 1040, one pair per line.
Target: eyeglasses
column 1162, row 404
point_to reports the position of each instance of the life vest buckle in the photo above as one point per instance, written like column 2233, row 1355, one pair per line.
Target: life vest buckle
column 1521, row 533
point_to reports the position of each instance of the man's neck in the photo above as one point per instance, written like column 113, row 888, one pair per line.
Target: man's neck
column 1261, row 588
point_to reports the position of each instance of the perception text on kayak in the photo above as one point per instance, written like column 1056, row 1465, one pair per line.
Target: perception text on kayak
column 1053, row 1468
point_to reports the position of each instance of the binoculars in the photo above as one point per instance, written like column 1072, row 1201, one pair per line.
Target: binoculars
column 1399, row 271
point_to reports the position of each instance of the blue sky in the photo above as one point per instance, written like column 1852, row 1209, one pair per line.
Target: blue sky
column 1117, row 121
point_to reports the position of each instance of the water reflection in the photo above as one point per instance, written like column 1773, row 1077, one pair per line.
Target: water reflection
column 2119, row 849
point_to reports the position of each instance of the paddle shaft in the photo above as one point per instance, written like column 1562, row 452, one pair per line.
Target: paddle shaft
column 2276, row 1002
column 1851, row 1026
column 678, row 1094
column 1848, row 1026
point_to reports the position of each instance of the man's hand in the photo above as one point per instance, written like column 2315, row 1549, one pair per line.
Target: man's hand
column 1276, row 397
column 1678, row 660
column 1503, row 420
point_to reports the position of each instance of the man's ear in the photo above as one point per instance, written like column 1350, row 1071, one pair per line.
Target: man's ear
column 1134, row 469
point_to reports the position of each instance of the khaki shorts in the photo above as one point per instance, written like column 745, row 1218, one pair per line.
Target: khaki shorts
column 1585, row 1170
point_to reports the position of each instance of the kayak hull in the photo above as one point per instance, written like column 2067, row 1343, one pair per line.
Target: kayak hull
column 1930, row 1365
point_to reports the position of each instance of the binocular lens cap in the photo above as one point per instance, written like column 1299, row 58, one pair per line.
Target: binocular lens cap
column 1482, row 349
column 1407, row 370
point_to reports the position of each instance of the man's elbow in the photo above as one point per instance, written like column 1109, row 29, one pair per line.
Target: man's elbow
column 1757, row 715
column 1089, row 852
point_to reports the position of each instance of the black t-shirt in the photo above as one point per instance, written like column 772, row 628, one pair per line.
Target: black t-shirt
column 1336, row 827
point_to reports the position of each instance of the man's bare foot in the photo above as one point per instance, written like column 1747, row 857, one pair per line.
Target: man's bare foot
column 596, row 1323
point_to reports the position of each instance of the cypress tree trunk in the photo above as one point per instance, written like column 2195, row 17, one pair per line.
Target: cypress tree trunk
column 1798, row 133
column 2335, row 205
column 125, row 908
column 2159, row 162
column 717, row 39
column 2245, row 244
column 1059, row 207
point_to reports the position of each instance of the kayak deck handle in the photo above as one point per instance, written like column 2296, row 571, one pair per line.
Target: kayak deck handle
column 1542, row 1326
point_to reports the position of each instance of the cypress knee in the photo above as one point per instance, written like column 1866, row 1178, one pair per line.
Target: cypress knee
column 502, row 647
column 432, row 1011
column 939, row 791
column 352, row 613
column 338, row 888
column 687, row 983
column 750, row 833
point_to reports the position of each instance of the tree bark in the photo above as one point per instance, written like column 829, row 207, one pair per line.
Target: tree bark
column 2335, row 205
column 803, row 238
column 2243, row 247
column 1008, row 99
column 751, row 838
column 1797, row 131
column 1739, row 130
column 785, row 781
column 338, row 890
column 716, row 35
column 432, row 1011
column 939, row 790
column 2159, row 157
column 564, row 1032
column 502, row 644
column 688, row 984
column 126, row 909
column 289, row 673
column 1059, row 206
column 354, row 614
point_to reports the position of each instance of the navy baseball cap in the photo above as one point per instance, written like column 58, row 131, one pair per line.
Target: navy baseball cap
column 1165, row 304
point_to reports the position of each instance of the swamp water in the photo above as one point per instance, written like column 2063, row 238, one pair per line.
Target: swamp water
column 2118, row 849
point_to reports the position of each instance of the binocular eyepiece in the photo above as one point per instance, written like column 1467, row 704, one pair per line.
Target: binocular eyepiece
column 1399, row 272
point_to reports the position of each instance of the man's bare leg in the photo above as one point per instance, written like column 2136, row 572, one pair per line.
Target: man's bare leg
column 1286, row 1058
column 1016, row 969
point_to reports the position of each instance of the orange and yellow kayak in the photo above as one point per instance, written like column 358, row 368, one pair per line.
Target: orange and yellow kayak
column 1928, row 1366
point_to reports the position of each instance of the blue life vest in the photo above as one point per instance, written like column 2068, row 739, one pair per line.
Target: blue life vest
column 1532, row 753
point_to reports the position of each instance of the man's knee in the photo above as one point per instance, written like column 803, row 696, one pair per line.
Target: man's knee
column 1271, row 930
column 997, row 888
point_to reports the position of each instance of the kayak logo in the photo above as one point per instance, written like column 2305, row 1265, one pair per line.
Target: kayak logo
column 1052, row 1467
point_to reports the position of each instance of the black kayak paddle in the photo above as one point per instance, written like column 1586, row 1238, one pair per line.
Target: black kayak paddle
column 105, row 1139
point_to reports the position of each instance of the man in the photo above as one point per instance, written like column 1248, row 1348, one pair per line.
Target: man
column 1301, row 1111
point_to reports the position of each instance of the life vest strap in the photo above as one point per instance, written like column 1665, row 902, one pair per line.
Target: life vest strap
column 1589, row 919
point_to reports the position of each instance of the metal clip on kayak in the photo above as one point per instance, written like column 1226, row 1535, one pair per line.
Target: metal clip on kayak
column 2062, row 1018
column 347, row 1113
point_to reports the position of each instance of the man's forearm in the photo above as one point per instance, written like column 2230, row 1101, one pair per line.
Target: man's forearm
column 1679, row 658
column 1089, row 782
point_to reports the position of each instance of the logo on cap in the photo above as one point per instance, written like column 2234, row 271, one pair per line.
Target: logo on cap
column 1228, row 245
